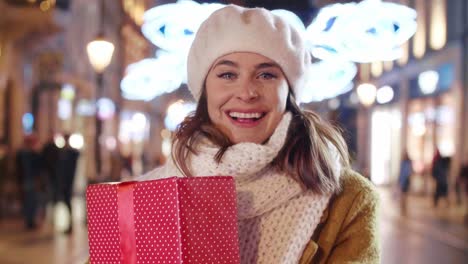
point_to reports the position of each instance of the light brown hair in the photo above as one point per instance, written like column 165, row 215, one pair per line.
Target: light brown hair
column 308, row 156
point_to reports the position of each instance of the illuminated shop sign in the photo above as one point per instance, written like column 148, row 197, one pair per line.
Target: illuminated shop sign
column 433, row 82
column 28, row 123
column 85, row 108
column 105, row 108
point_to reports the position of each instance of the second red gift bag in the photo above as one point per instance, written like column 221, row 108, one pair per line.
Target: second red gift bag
column 174, row 220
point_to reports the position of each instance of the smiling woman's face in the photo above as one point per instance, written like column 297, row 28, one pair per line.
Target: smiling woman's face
column 246, row 96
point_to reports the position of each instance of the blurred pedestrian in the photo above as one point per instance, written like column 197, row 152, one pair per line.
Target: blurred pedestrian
column 440, row 171
column 463, row 182
column 28, row 169
column 66, row 169
column 404, row 181
column 464, row 177
column 116, row 165
column 3, row 177
column 127, row 165
column 49, row 155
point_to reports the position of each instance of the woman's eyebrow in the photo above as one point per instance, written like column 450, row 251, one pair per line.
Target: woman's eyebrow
column 258, row 66
column 227, row 63
column 267, row 65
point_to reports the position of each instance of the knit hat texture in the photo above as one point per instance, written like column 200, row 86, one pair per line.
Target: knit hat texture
column 257, row 30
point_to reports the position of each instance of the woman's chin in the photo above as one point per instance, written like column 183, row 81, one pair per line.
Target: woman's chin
column 248, row 138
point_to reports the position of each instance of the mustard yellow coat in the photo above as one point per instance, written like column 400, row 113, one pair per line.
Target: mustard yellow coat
column 348, row 231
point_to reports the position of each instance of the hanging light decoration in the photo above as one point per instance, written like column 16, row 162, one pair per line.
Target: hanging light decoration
column 363, row 32
column 150, row 78
column 172, row 27
column 328, row 79
column 367, row 31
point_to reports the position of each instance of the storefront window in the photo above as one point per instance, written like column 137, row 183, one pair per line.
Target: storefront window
column 133, row 135
column 431, row 124
column 385, row 144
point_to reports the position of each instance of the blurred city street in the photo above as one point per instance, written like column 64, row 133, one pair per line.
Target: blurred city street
column 426, row 235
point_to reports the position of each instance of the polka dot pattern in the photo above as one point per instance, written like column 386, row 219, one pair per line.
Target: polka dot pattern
column 157, row 222
column 208, row 220
column 177, row 220
column 103, row 231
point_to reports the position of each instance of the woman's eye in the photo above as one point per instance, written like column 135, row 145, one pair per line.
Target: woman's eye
column 267, row 76
column 227, row 75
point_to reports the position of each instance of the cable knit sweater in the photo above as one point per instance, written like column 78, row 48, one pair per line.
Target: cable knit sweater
column 276, row 217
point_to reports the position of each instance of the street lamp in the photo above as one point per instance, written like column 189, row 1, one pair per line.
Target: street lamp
column 100, row 54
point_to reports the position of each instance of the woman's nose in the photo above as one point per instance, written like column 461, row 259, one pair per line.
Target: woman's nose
column 248, row 91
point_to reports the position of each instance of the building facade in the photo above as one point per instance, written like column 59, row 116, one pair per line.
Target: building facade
column 428, row 109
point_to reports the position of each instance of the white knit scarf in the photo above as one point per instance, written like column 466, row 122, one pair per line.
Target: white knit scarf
column 276, row 216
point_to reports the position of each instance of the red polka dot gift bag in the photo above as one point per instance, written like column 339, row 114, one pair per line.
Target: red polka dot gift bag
column 174, row 220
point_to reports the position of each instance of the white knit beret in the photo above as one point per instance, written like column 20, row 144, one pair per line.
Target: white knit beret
column 257, row 30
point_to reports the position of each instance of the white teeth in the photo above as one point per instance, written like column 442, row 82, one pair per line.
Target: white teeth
column 245, row 115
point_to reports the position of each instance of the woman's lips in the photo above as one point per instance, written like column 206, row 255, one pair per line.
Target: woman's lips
column 246, row 119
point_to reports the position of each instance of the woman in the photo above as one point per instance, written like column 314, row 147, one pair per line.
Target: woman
column 298, row 201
